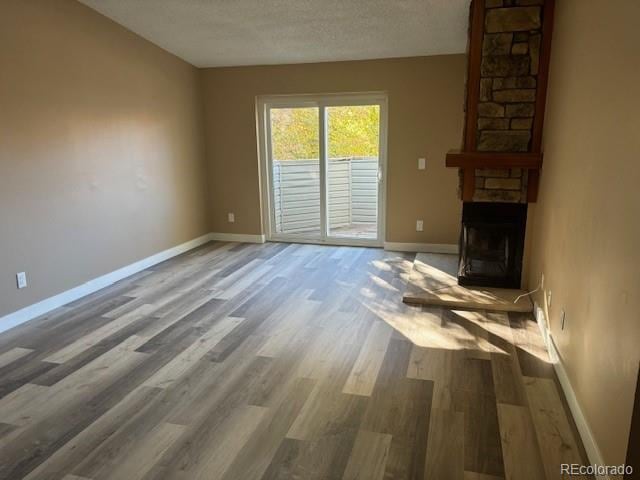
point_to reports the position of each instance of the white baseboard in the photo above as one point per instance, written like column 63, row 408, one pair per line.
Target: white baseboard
column 237, row 237
column 588, row 440
column 32, row 311
column 421, row 247
column 540, row 317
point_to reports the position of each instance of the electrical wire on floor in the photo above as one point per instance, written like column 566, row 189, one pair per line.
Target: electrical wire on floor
column 527, row 293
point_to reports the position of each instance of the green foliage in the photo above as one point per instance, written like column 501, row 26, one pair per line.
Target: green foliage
column 294, row 133
column 353, row 131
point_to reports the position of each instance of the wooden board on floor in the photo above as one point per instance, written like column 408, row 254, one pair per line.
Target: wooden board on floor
column 434, row 281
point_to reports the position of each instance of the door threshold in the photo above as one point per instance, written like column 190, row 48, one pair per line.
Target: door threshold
column 330, row 243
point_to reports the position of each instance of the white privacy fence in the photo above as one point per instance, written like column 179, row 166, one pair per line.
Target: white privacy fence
column 352, row 186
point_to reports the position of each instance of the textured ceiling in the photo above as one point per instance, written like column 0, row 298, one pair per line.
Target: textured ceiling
column 211, row 33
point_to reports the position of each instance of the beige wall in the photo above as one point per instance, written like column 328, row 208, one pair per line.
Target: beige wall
column 101, row 148
column 586, row 225
column 425, row 119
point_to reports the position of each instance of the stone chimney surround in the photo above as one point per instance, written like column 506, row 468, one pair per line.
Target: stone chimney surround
column 508, row 50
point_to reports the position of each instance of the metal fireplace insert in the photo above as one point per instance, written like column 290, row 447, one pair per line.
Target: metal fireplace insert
column 492, row 244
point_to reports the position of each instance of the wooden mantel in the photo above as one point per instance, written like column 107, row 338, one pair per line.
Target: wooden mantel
column 460, row 159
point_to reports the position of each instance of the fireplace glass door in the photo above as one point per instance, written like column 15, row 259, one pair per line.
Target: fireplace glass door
column 487, row 250
column 491, row 244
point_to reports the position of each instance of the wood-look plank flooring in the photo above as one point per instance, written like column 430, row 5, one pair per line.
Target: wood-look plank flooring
column 278, row 361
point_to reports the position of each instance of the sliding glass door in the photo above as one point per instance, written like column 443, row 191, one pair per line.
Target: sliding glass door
column 295, row 171
column 353, row 146
column 322, row 168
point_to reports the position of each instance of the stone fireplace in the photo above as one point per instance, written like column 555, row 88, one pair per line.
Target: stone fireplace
column 501, row 158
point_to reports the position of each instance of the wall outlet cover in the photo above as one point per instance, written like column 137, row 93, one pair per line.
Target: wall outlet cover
column 419, row 225
column 231, row 217
column 21, row 279
column 422, row 163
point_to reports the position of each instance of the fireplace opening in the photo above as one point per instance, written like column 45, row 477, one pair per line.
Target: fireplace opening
column 492, row 244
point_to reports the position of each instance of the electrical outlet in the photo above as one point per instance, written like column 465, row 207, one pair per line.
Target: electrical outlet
column 231, row 217
column 422, row 163
column 563, row 318
column 549, row 296
column 21, row 279
column 419, row 225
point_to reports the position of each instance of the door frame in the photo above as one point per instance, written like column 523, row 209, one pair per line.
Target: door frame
column 321, row 101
